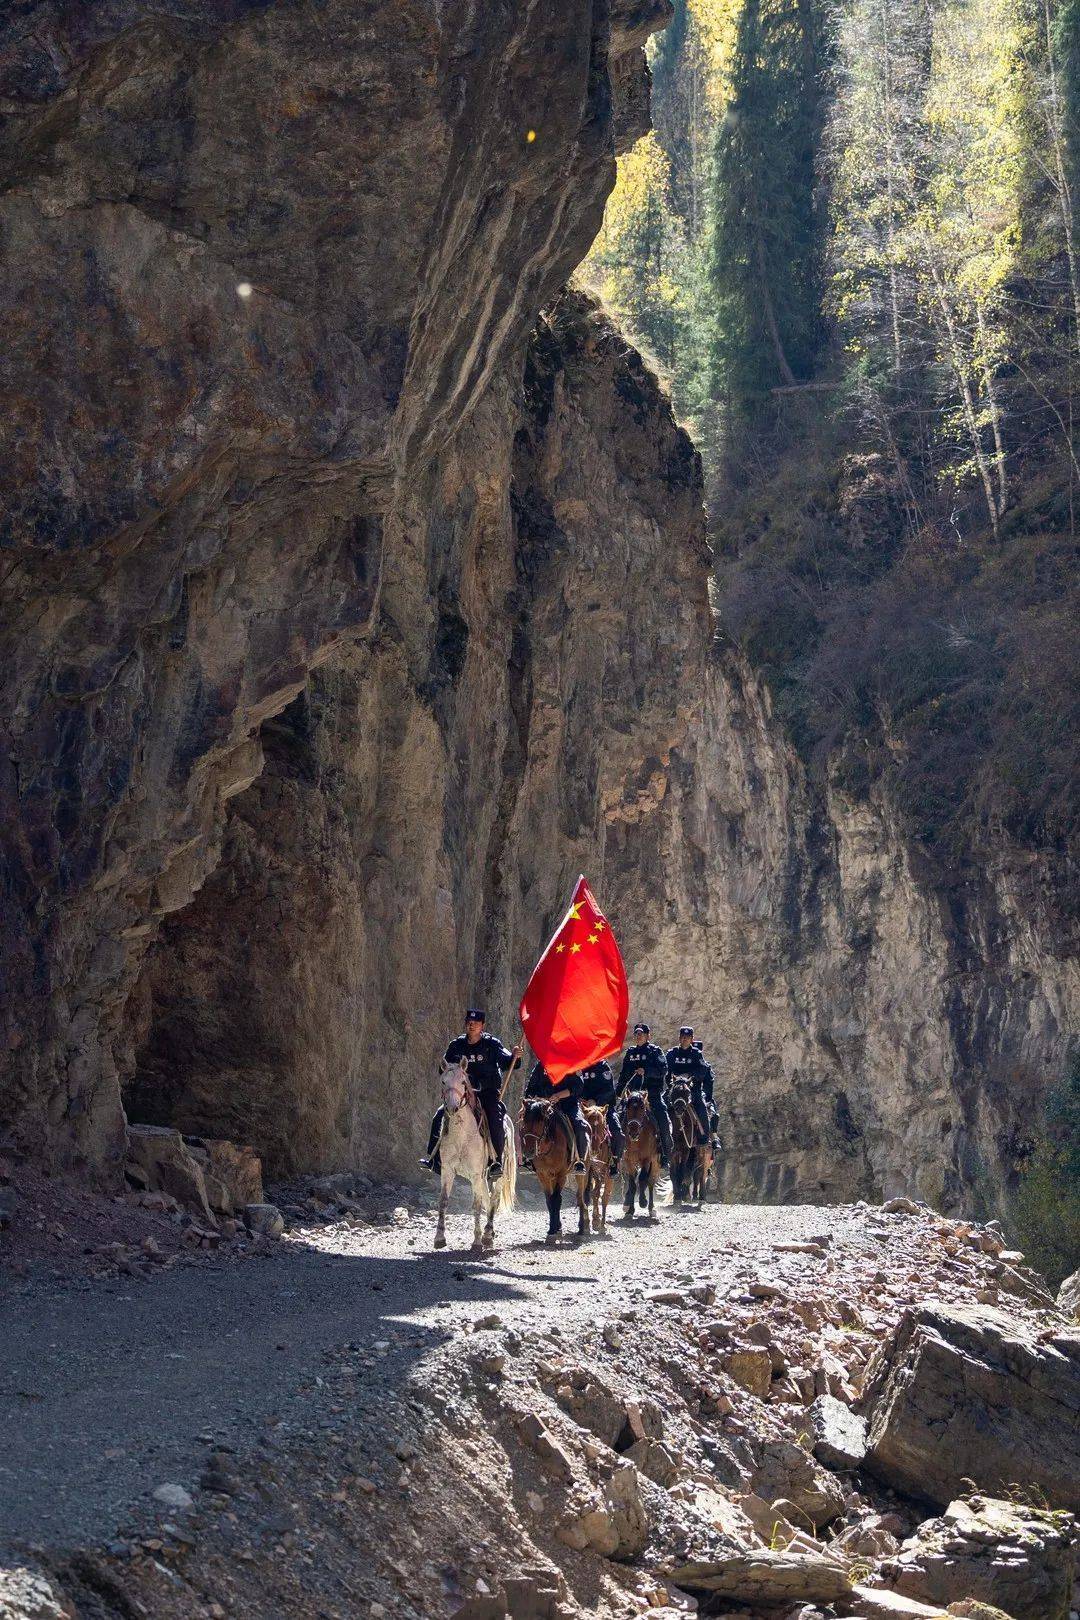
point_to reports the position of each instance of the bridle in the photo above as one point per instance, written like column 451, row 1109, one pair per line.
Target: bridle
column 457, row 1092
column 634, row 1125
column 545, row 1111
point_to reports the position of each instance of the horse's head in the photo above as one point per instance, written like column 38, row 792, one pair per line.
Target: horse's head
column 680, row 1092
column 636, row 1113
column 535, row 1116
column 455, row 1088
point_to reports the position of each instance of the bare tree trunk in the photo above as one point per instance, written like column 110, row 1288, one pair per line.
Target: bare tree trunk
column 894, row 300
column 967, row 402
column 1062, row 187
column 995, row 412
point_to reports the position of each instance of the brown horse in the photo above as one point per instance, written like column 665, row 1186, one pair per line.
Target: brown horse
column 691, row 1159
column 641, row 1161
column 547, row 1141
column 598, row 1182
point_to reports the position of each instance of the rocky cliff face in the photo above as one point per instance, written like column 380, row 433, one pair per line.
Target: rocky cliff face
column 874, row 1033
column 262, row 266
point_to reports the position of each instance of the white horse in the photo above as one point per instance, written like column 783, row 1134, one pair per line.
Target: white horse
column 464, row 1153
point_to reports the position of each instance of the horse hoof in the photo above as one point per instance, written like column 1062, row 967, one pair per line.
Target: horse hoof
column 440, row 1243
column 488, row 1241
column 653, row 1217
column 552, row 1238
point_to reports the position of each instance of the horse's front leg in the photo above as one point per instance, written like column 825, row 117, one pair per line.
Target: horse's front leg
column 554, row 1206
column 652, row 1194
column 631, row 1190
column 582, row 1204
column 444, row 1198
column 479, row 1204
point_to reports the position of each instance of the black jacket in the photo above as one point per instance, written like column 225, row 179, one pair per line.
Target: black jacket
column 649, row 1057
column 598, row 1083
column 686, row 1063
column 541, row 1085
column 487, row 1061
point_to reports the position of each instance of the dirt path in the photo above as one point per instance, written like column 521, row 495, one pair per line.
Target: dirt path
column 108, row 1391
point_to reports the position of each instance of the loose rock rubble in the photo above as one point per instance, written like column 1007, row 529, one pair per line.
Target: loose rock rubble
column 689, row 1439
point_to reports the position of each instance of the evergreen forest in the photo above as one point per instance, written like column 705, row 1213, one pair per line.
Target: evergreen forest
column 850, row 246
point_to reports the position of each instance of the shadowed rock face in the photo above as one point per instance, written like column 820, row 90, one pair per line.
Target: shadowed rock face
column 206, row 493
column 427, row 802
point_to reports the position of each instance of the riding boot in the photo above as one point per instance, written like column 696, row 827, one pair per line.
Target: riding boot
column 431, row 1159
column 583, row 1141
column 495, row 1170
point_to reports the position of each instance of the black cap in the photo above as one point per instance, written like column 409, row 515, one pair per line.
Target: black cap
column 644, row 1028
column 687, row 1029
column 474, row 1012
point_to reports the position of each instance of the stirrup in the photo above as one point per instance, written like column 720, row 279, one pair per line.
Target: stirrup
column 494, row 1170
column 579, row 1167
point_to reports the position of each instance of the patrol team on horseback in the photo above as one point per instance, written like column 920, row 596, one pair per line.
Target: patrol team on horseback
column 645, row 1067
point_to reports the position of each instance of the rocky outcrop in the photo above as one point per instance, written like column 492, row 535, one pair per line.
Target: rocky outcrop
column 1007, row 1401
column 1018, row 1558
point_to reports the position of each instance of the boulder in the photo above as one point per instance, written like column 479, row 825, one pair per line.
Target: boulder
column 1008, row 1403
column 264, row 1220
column 873, row 1603
column 1069, row 1295
column 750, row 1367
column 759, row 1575
column 233, row 1175
column 785, row 1472
column 158, row 1160
column 839, row 1433
column 536, row 1436
column 1019, row 1558
column 27, row 1594
column 614, row 1523
column 655, row 1461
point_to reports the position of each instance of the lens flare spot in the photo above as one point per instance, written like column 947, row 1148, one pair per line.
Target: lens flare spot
column 530, row 136
column 244, row 289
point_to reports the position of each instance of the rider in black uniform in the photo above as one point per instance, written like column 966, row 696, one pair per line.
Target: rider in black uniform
column 645, row 1061
column 486, row 1060
column 599, row 1088
column 707, row 1093
column 685, row 1062
column 567, row 1099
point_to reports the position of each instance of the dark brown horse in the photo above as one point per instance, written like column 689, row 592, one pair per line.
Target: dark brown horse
column 547, row 1141
column 641, row 1160
column 691, row 1158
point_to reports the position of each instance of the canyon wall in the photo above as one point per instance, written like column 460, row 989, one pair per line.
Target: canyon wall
column 354, row 597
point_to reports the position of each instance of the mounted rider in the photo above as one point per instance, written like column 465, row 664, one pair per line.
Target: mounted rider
column 707, row 1093
column 598, row 1087
column 486, row 1061
column 567, row 1099
column 645, row 1061
column 685, row 1062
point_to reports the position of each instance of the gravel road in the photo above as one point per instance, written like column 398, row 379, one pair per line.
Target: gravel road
column 111, row 1390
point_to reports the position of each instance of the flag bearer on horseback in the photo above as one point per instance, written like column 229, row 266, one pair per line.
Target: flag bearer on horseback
column 685, row 1062
column 644, row 1061
column 486, row 1060
column 567, row 1099
column 598, row 1086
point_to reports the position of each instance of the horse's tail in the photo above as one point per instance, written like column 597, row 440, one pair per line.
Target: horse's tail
column 507, row 1191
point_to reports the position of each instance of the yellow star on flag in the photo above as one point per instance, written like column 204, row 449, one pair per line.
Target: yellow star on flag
column 559, row 948
column 574, row 948
column 575, row 913
column 600, row 925
column 593, row 938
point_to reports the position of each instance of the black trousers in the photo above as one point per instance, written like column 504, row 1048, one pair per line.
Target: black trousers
column 697, row 1097
column 615, row 1131
column 494, row 1113
column 570, row 1108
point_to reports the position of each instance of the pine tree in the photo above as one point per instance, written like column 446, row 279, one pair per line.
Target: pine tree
column 767, row 258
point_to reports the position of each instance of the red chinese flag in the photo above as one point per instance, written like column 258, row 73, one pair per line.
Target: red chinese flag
column 576, row 1004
